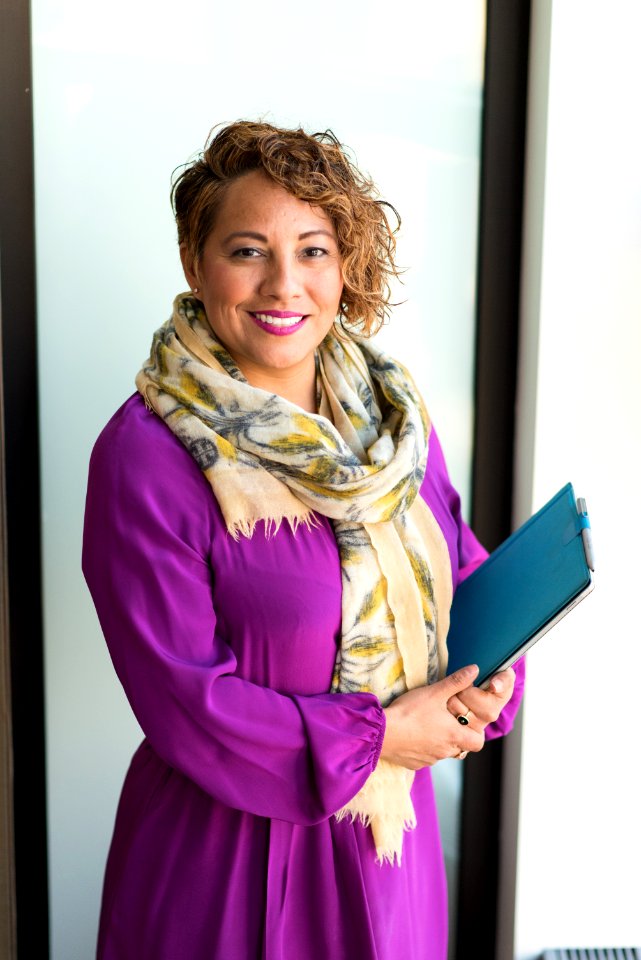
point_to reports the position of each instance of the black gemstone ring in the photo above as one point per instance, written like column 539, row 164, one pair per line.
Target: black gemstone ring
column 462, row 718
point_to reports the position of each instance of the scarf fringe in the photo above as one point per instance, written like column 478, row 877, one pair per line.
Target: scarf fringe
column 384, row 804
column 245, row 527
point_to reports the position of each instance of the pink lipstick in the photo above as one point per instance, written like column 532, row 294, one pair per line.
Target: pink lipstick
column 278, row 322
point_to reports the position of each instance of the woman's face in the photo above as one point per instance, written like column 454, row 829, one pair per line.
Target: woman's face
column 270, row 280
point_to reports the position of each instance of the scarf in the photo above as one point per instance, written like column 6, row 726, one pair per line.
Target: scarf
column 359, row 462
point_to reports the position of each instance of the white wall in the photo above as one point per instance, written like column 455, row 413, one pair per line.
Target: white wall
column 579, row 851
column 125, row 92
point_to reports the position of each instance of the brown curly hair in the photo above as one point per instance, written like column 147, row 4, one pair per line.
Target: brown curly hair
column 312, row 167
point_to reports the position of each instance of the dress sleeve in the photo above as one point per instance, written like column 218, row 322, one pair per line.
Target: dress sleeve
column 466, row 554
column 146, row 562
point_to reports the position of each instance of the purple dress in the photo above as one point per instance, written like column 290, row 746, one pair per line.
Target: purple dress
column 224, row 844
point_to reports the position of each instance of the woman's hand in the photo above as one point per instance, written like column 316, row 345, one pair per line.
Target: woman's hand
column 421, row 725
column 421, row 729
column 481, row 707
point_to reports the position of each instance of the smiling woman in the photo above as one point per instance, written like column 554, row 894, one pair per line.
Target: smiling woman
column 272, row 543
column 271, row 304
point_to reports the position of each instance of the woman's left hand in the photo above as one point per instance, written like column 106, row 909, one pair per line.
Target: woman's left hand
column 482, row 707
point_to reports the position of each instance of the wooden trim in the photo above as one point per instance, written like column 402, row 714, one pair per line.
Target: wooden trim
column 489, row 811
column 22, row 583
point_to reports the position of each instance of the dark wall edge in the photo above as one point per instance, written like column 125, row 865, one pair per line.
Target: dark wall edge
column 23, row 604
column 7, row 847
column 489, row 813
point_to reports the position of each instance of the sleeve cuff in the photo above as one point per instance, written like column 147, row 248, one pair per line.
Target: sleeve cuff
column 380, row 736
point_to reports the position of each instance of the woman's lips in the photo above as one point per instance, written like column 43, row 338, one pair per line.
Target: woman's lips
column 278, row 322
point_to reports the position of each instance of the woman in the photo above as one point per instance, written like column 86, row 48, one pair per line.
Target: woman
column 271, row 542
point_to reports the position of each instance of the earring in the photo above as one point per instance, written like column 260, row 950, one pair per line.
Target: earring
column 195, row 290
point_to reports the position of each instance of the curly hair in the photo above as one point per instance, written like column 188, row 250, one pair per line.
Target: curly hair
column 312, row 167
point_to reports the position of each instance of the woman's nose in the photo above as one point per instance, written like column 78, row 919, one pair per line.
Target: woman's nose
column 282, row 280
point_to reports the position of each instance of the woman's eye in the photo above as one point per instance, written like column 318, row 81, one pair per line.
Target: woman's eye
column 314, row 252
column 246, row 253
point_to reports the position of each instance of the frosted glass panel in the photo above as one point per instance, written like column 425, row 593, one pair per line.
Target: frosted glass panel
column 124, row 93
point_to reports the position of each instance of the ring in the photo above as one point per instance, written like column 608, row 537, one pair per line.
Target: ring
column 463, row 718
column 462, row 755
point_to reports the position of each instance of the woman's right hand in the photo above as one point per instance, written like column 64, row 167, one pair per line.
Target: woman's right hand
column 420, row 730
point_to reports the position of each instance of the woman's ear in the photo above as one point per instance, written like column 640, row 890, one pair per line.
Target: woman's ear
column 189, row 268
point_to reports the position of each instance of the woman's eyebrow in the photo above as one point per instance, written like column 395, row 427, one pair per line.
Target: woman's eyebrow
column 246, row 233
column 263, row 239
column 313, row 233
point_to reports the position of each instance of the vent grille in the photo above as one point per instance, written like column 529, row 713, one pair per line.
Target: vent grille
column 601, row 953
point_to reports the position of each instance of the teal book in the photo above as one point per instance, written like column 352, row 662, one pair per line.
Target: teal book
column 524, row 587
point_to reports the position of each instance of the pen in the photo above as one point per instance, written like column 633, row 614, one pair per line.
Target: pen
column 586, row 532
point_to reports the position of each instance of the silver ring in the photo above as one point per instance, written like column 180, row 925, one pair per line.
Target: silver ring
column 462, row 755
column 463, row 718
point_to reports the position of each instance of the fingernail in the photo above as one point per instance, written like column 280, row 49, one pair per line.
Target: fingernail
column 497, row 686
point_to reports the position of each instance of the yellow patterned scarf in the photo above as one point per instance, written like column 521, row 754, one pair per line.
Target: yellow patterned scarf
column 360, row 461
